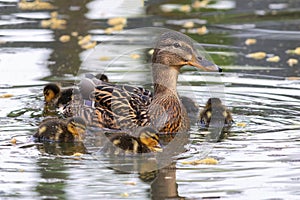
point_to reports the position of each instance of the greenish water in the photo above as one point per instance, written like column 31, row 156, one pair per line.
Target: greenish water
column 258, row 160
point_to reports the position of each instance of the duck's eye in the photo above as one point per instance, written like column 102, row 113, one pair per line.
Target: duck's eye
column 176, row 45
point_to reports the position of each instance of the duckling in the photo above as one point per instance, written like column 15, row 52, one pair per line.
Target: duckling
column 56, row 96
column 127, row 107
column 59, row 130
column 215, row 113
column 124, row 143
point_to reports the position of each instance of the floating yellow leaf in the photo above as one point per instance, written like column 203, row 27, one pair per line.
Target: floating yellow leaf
column 118, row 27
column 185, row 8
column 84, row 40
column 74, row 34
column 293, row 78
column 130, row 183
column 292, row 61
column 125, row 194
column 273, row 59
column 117, row 21
column 89, row 45
column 135, row 56
column 200, row 4
column 188, row 24
column 35, row 5
column 104, row 58
column 108, row 31
column 13, row 141
column 77, row 154
column 54, row 22
column 64, row 38
column 241, row 124
column 205, row 161
column 202, row 30
column 250, row 41
column 6, row 95
column 294, row 51
column 297, row 51
column 257, row 55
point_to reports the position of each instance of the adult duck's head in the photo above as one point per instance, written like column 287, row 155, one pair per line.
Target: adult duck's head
column 175, row 50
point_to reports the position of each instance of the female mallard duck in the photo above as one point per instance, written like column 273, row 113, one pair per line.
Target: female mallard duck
column 215, row 114
column 127, row 107
column 123, row 143
column 61, row 130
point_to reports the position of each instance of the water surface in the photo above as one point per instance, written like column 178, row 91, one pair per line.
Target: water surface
column 258, row 160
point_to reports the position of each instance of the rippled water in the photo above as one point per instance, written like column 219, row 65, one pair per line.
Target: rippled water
column 258, row 160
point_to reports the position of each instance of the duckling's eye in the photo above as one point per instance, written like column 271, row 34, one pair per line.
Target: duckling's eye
column 176, row 45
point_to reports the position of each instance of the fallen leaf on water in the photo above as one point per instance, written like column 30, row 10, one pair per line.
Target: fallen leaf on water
column 130, row 183
column 294, row 51
column 202, row 30
column 273, row 59
column 241, row 124
column 116, row 21
column 205, row 161
column 200, row 4
column 64, row 38
column 13, row 141
column 77, row 154
column 89, row 45
column 292, row 61
column 257, row 55
column 84, row 40
column 35, row 5
column 118, row 27
column 185, row 8
column 188, row 24
column 74, row 34
column 250, row 41
column 6, row 95
column 293, row 78
column 135, row 56
column 108, row 31
column 104, row 58
column 125, row 194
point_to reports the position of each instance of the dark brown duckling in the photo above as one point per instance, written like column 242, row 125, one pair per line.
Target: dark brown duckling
column 72, row 129
column 58, row 97
column 123, row 143
column 215, row 113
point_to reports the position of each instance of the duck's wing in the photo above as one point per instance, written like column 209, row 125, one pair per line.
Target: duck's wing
column 125, row 105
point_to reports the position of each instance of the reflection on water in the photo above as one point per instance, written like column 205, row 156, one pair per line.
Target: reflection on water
column 259, row 158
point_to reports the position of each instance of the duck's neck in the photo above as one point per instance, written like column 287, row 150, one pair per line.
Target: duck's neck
column 164, row 78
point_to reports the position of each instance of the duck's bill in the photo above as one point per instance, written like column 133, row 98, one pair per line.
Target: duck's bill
column 204, row 64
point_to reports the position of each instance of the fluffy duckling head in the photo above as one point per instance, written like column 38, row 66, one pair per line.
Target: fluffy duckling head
column 77, row 127
column 51, row 91
column 148, row 136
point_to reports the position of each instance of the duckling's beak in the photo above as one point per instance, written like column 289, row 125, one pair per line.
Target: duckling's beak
column 157, row 148
column 204, row 64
